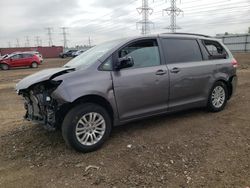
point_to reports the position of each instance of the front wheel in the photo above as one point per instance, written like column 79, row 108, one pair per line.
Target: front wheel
column 86, row 127
column 218, row 97
column 34, row 65
column 4, row 66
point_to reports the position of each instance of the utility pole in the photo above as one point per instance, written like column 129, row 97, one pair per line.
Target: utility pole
column 145, row 23
column 64, row 33
column 27, row 44
column 17, row 43
column 49, row 32
column 9, row 44
column 37, row 40
column 173, row 11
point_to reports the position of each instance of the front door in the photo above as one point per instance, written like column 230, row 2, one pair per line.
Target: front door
column 143, row 89
column 16, row 60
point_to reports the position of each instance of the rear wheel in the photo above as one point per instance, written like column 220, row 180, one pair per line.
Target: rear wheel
column 218, row 97
column 34, row 65
column 4, row 66
column 86, row 127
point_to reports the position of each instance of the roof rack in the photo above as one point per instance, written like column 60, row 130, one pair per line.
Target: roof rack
column 188, row 34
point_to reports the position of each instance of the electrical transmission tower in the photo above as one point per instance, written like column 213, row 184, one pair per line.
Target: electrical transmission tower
column 64, row 33
column 89, row 42
column 9, row 44
column 49, row 32
column 37, row 40
column 27, row 41
column 173, row 11
column 17, row 43
column 145, row 23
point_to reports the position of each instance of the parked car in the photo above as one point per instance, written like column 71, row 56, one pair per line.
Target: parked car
column 20, row 60
column 77, row 53
column 67, row 53
column 38, row 54
column 126, row 80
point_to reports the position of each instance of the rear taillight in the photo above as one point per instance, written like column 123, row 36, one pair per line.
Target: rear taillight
column 234, row 63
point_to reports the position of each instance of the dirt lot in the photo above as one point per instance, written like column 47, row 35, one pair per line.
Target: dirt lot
column 188, row 149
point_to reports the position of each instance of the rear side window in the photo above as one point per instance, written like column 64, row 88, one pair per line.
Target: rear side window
column 214, row 49
column 181, row 50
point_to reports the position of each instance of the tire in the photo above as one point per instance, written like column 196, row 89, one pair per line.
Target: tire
column 34, row 65
column 4, row 67
column 64, row 56
column 218, row 96
column 73, row 123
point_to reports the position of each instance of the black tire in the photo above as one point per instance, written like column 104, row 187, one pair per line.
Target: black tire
column 4, row 66
column 71, row 121
column 211, row 106
column 64, row 56
column 34, row 65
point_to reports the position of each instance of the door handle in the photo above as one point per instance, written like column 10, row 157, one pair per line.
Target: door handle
column 175, row 70
column 161, row 72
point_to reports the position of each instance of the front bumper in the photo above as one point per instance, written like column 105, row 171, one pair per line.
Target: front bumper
column 41, row 109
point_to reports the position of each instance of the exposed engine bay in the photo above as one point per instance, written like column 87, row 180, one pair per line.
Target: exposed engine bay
column 39, row 104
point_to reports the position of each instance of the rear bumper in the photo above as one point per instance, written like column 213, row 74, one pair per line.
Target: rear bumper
column 234, row 84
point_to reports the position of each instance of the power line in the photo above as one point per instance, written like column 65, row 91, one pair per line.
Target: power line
column 173, row 11
column 145, row 11
column 64, row 33
column 49, row 32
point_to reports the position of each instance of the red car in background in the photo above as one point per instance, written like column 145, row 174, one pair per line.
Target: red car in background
column 20, row 60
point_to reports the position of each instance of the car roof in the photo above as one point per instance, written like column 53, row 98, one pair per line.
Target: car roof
column 175, row 35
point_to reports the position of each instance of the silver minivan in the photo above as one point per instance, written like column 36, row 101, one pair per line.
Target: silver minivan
column 128, row 79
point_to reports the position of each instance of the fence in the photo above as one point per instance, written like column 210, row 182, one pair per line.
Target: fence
column 47, row 52
column 236, row 43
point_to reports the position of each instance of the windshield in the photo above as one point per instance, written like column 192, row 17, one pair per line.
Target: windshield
column 90, row 56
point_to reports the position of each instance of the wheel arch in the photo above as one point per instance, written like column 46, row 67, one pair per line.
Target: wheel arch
column 228, row 84
column 91, row 98
column 4, row 63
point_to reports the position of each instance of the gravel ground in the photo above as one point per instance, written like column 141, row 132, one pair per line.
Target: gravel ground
column 188, row 149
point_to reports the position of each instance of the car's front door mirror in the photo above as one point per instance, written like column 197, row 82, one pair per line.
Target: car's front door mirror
column 124, row 62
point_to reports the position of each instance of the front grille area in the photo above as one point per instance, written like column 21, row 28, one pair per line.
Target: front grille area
column 40, row 110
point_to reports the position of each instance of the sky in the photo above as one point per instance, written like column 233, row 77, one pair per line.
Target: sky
column 103, row 20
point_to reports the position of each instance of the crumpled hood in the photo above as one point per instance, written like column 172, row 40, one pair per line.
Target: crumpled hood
column 40, row 76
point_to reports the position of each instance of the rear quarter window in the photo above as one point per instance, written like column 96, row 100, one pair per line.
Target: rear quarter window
column 181, row 50
column 214, row 50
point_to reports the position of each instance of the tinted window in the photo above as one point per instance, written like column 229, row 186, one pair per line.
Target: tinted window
column 181, row 50
column 144, row 53
column 17, row 56
column 27, row 55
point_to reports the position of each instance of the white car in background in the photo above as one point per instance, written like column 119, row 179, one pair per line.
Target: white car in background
column 77, row 53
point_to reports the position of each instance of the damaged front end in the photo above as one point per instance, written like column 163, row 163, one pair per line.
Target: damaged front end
column 39, row 104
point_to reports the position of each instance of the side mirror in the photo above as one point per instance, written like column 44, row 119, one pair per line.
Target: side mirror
column 124, row 62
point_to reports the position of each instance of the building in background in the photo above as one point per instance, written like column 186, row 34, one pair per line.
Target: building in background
column 47, row 52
